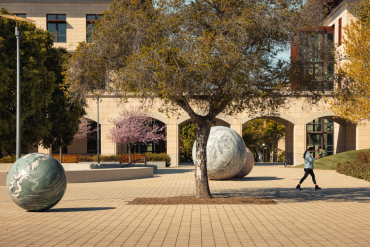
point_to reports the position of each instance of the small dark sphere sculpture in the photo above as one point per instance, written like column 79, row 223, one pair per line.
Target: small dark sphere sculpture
column 36, row 182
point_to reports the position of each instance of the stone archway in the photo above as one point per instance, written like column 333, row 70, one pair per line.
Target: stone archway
column 284, row 119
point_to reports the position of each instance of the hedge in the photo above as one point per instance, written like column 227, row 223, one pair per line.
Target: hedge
column 355, row 169
column 8, row 159
column 159, row 157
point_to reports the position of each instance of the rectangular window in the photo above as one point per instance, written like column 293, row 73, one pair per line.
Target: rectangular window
column 21, row 15
column 57, row 25
column 340, row 32
column 90, row 19
column 320, row 137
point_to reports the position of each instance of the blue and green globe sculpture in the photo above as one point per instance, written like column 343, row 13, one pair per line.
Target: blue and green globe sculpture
column 36, row 182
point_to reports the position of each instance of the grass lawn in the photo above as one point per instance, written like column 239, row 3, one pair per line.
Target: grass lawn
column 329, row 162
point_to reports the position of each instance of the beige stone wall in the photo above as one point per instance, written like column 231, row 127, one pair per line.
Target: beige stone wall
column 75, row 14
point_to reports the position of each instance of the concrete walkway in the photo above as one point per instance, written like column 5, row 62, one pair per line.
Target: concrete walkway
column 97, row 214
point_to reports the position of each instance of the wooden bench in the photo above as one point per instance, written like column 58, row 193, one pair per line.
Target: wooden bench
column 68, row 158
column 125, row 158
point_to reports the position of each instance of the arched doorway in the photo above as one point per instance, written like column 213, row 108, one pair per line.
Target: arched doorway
column 284, row 146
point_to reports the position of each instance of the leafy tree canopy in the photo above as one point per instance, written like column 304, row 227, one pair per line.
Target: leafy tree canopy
column 43, row 106
column 351, row 101
column 202, row 57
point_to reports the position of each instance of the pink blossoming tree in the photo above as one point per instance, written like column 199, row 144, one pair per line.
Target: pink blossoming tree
column 133, row 126
column 83, row 129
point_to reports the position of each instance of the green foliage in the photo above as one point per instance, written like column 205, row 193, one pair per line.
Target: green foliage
column 64, row 117
column 40, row 79
column 8, row 159
column 355, row 169
column 329, row 162
column 187, row 139
column 159, row 157
column 254, row 134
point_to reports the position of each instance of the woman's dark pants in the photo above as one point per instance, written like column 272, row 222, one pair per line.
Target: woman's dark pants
column 306, row 172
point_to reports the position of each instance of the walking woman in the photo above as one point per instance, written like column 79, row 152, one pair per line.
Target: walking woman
column 308, row 168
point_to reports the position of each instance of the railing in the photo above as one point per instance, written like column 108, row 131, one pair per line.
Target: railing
column 125, row 157
column 139, row 160
column 67, row 158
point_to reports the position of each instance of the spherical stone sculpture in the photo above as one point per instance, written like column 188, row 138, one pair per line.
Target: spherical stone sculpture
column 36, row 182
column 248, row 165
column 226, row 153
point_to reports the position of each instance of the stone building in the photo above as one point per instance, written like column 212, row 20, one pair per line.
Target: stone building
column 70, row 20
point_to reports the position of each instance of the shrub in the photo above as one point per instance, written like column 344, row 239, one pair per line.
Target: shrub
column 355, row 169
column 8, row 159
column 103, row 158
column 159, row 157
column 86, row 158
column 363, row 157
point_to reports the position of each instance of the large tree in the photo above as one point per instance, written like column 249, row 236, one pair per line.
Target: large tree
column 202, row 57
column 63, row 117
column 44, row 106
column 352, row 100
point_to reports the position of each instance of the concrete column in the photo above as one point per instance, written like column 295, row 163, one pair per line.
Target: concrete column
column 107, row 147
column 43, row 150
column 299, row 142
column 173, row 142
column 237, row 127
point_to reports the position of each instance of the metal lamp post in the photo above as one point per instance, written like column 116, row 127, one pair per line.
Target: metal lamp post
column 263, row 150
column 18, row 32
column 97, row 132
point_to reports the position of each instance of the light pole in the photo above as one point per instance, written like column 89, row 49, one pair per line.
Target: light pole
column 263, row 148
column 97, row 132
column 18, row 33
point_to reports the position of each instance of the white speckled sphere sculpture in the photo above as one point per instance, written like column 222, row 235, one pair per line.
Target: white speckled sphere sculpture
column 248, row 165
column 226, row 153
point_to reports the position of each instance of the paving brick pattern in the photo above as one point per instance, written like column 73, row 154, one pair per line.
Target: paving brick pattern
column 97, row 214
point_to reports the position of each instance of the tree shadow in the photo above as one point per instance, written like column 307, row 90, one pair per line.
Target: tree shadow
column 308, row 194
column 54, row 210
column 254, row 179
column 172, row 170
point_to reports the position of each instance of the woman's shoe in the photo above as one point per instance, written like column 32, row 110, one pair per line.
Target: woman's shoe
column 317, row 187
column 298, row 187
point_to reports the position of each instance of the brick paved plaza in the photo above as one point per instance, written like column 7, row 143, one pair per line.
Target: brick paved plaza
column 97, row 214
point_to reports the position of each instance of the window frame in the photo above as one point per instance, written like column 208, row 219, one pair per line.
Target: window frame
column 340, row 32
column 322, row 132
column 57, row 26
column 18, row 15
column 90, row 22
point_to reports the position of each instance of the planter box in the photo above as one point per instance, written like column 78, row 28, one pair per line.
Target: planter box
column 157, row 163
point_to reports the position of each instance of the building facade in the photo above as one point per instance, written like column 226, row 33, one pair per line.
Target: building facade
column 70, row 22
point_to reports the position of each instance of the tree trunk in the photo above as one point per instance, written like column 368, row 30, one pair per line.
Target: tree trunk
column 129, row 152
column 60, row 154
column 201, row 177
